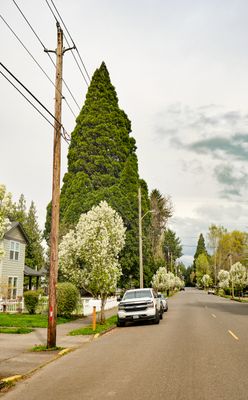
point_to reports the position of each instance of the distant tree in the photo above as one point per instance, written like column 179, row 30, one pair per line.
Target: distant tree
column 88, row 255
column 207, row 281
column 202, row 267
column 200, row 249
column 103, row 166
column 19, row 212
column 172, row 248
column 224, row 279
column 161, row 207
column 238, row 276
column 234, row 244
column 34, row 250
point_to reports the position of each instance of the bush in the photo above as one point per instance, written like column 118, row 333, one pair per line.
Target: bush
column 31, row 300
column 67, row 298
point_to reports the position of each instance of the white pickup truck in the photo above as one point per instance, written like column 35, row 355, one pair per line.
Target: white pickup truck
column 139, row 305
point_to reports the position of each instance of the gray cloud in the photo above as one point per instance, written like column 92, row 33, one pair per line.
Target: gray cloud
column 234, row 180
column 220, row 146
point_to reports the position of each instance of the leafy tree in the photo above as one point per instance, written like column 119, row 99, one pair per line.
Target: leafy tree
column 19, row 212
column 88, row 255
column 102, row 165
column 200, row 249
column 172, row 248
column 67, row 298
column 234, row 244
column 238, row 276
column 202, row 267
column 162, row 211
column 207, row 281
column 223, row 278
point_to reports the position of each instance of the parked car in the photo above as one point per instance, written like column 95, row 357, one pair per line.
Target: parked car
column 211, row 291
column 139, row 305
column 163, row 301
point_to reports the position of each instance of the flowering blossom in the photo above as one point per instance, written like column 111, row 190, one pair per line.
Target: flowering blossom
column 238, row 275
column 88, row 256
column 223, row 277
column 164, row 280
column 206, row 281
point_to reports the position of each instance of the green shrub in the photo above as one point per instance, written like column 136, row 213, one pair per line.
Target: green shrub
column 67, row 298
column 31, row 300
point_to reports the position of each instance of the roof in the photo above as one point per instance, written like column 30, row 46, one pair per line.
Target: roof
column 14, row 225
column 32, row 272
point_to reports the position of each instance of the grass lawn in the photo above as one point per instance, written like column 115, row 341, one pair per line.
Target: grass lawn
column 109, row 323
column 28, row 321
column 15, row 330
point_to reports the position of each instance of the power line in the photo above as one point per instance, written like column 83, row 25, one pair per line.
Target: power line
column 33, row 58
column 64, row 133
column 50, row 57
column 62, row 21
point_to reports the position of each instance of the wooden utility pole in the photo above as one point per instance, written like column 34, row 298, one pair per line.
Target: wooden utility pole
column 53, row 276
column 140, row 242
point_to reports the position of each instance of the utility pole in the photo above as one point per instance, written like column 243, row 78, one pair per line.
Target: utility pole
column 54, row 238
column 140, row 241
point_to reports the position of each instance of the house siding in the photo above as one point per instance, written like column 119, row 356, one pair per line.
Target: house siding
column 13, row 268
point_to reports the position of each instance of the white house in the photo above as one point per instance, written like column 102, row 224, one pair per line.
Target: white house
column 12, row 263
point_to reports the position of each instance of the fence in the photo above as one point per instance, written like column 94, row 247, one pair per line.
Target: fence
column 85, row 305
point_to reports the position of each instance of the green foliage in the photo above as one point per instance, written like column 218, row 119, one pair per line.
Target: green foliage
column 31, row 300
column 15, row 330
column 67, row 298
column 102, row 165
column 200, row 249
column 100, row 328
column 28, row 320
column 172, row 248
column 202, row 267
column 34, row 250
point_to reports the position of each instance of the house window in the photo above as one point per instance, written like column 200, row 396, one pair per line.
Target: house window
column 14, row 251
column 12, row 287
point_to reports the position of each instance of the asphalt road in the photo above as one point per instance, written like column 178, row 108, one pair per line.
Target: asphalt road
column 198, row 352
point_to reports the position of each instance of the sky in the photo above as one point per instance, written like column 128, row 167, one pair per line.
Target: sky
column 180, row 69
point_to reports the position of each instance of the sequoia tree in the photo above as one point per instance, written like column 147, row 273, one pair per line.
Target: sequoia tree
column 102, row 165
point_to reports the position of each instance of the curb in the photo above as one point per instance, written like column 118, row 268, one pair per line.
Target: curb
column 9, row 380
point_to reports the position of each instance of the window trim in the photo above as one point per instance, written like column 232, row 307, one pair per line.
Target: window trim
column 14, row 252
column 11, row 288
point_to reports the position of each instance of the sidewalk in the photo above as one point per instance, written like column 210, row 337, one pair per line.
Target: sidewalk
column 15, row 355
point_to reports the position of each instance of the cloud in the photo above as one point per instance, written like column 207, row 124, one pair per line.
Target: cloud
column 220, row 147
column 234, row 180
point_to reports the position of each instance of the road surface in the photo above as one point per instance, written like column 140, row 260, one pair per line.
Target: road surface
column 199, row 351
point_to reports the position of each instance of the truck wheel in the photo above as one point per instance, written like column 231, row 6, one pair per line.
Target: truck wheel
column 157, row 318
column 120, row 323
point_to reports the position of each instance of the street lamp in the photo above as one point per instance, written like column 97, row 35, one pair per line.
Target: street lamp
column 140, row 239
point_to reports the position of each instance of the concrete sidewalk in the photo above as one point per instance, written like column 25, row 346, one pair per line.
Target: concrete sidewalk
column 15, row 355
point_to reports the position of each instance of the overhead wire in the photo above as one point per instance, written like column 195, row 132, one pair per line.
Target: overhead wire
column 63, row 23
column 64, row 134
column 50, row 57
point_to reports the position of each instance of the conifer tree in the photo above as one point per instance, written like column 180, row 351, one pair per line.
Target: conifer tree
column 34, row 250
column 102, row 165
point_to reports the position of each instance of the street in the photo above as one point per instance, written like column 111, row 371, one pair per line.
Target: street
column 197, row 352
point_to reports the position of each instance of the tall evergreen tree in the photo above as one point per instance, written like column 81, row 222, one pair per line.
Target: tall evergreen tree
column 102, row 165
column 172, row 248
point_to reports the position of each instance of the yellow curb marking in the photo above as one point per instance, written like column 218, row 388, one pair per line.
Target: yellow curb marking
column 213, row 315
column 64, row 351
column 12, row 378
column 233, row 335
column 96, row 335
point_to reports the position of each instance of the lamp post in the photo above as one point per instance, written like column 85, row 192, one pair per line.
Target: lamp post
column 140, row 239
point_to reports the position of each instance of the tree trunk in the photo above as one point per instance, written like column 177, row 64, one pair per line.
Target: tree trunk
column 103, row 302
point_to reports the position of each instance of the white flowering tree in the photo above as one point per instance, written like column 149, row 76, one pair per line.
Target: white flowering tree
column 5, row 210
column 88, row 255
column 238, row 276
column 165, row 281
column 224, row 279
column 206, row 281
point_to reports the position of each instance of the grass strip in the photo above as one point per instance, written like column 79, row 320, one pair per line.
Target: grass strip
column 100, row 328
column 28, row 321
column 42, row 347
column 15, row 330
